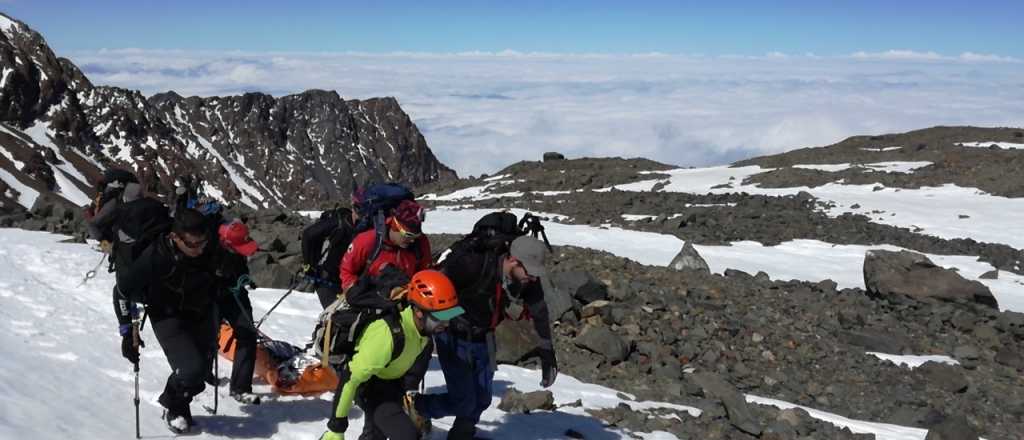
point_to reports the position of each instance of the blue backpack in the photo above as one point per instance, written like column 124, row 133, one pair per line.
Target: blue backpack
column 379, row 201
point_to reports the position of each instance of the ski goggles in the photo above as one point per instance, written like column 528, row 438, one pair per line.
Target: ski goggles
column 402, row 230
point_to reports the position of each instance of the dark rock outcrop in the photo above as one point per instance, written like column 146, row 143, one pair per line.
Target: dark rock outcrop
column 910, row 274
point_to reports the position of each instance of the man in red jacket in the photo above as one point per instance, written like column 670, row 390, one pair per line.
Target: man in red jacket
column 403, row 246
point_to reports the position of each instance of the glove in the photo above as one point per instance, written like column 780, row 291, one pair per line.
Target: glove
column 307, row 269
column 548, row 367
column 331, row 435
column 336, row 427
column 129, row 350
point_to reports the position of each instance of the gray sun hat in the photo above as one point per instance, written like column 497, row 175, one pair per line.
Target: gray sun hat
column 532, row 253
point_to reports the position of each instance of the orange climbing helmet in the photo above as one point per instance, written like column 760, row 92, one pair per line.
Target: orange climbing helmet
column 433, row 292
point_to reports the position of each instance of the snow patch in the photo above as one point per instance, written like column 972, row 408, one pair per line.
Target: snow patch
column 991, row 219
column 889, row 167
column 1003, row 145
column 914, row 361
column 883, row 149
column 26, row 195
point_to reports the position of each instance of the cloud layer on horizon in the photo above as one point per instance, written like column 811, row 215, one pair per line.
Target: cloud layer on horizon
column 481, row 111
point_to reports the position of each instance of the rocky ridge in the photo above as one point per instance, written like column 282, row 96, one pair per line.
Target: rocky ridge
column 58, row 130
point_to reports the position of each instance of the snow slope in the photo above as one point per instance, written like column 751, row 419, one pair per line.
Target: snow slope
column 63, row 375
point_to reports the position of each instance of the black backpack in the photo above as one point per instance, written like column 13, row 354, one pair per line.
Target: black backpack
column 494, row 232
column 341, row 324
column 334, row 247
column 138, row 223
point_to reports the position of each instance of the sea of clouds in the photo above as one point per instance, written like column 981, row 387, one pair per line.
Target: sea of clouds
column 481, row 111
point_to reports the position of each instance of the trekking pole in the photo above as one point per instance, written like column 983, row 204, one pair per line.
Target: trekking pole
column 292, row 286
column 137, row 341
column 92, row 273
column 216, row 374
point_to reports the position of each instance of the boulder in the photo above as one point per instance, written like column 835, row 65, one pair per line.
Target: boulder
column 739, row 412
column 518, row 402
column 905, row 273
column 953, row 428
column 49, row 205
column 591, row 291
column 558, row 301
column 514, row 340
column 603, row 341
column 945, row 377
column 875, row 340
column 553, row 156
column 689, row 259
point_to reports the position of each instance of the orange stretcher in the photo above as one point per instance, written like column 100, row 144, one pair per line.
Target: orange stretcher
column 312, row 380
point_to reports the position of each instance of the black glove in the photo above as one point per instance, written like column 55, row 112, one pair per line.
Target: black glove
column 338, row 424
column 548, row 367
column 129, row 350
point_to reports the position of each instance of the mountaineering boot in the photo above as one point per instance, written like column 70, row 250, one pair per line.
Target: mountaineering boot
column 246, row 398
column 177, row 423
column 422, row 424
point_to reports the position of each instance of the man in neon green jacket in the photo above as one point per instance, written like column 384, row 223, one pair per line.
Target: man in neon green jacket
column 373, row 377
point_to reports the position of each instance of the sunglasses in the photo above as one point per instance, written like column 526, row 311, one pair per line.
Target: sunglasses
column 198, row 244
column 403, row 231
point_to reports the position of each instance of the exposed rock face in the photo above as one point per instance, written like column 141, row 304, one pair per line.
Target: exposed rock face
column 888, row 273
column 294, row 151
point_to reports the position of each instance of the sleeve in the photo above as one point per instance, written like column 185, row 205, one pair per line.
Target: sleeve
column 533, row 294
column 313, row 238
column 122, row 308
column 373, row 352
column 148, row 267
column 412, row 379
column 424, row 253
column 103, row 219
column 354, row 260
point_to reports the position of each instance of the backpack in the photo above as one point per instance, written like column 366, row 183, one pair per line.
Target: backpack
column 494, row 232
column 336, row 243
column 341, row 324
column 379, row 201
column 138, row 223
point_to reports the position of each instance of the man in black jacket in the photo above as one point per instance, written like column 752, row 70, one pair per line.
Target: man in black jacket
column 487, row 284
column 180, row 287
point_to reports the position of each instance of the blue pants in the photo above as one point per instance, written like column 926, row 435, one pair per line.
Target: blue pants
column 467, row 373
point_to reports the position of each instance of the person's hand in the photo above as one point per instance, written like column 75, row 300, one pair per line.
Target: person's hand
column 331, row 435
column 106, row 246
column 548, row 367
column 129, row 350
column 336, row 427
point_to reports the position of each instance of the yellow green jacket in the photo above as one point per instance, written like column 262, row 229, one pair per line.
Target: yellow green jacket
column 373, row 357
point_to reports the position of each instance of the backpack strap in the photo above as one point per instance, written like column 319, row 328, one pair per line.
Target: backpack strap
column 380, row 230
column 394, row 322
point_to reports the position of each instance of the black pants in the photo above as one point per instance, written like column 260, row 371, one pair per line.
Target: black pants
column 189, row 344
column 384, row 418
column 238, row 313
column 327, row 294
column 381, row 402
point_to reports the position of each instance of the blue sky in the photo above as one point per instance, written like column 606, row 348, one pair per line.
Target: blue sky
column 492, row 83
column 679, row 27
